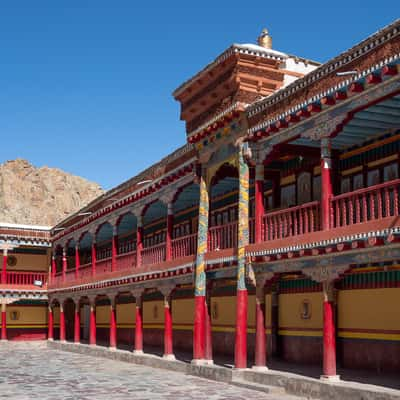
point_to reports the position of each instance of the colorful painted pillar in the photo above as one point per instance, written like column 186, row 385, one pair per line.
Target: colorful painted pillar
column 170, row 224
column 92, row 323
column 168, row 332
column 64, row 265
column 77, row 323
column 77, row 261
column 113, row 325
column 243, row 241
column 114, row 249
column 326, row 182
column 4, row 320
column 259, row 202
column 4, row 270
column 200, row 275
column 62, row 323
column 138, row 323
column 94, row 257
column 139, row 241
column 208, row 326
column 50, row 323
column 329, row 336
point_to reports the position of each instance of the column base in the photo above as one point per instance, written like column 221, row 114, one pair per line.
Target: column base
column 138, row 352
column 3, row 340
column 92, row 344
column 50, row 339
column 169, row 357
column 259, row 368
column 330, row 378
column 113, row 348
column 209, row 362
column 201, row 361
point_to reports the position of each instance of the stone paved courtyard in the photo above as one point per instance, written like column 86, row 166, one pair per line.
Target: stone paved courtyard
column 32, row 371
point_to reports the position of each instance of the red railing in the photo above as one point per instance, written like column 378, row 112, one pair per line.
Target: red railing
column 223, row 236
column 70, row 275
column 184, row 246
column 153, row 254
column 26, row 278
column 103, row 266
column 292, row 221
column 85, row 270
column 364, row 205
column 126, row 261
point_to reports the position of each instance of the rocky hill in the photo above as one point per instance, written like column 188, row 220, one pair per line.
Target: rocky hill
column 41, row 196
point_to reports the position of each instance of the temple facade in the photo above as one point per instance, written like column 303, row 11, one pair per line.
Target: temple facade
column 274, row 232
column 23, row 284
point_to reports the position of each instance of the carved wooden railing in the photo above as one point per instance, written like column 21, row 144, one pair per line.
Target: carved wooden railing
column 153, row 254
column 26, row 278
column 292, row 221
column 184, row 246
column 126, row 261
column 365, row 205
column 103, row 266
column 223, row 236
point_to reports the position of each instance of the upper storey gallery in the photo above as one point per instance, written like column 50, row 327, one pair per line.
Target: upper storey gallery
column 320, row 143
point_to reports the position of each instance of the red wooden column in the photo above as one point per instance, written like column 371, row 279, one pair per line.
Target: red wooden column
column 326, row 183
column 138, row 324
column 62, row 323
column 329, row 338
column 92, row 325
column 114, row 249
column 77, row 323
column 208, row 352
column 261, row 348
column 53, row 267
column 4, row 320
column 168, row 240
column 113, row 325
column 139, row 241
column 94, row 258
column 50, row 324
column 168, row 331
column 259, row 202
column 64, row 264
column 4, row 270
column 77, row 261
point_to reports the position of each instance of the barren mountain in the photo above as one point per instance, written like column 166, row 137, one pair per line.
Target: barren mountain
column 41, row 196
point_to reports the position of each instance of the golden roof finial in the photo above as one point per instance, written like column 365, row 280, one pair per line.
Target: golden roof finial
column 265, row 40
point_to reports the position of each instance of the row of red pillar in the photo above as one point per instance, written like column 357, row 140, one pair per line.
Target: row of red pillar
column 168, row 343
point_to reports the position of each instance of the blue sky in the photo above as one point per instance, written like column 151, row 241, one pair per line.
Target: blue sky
column 86, row 86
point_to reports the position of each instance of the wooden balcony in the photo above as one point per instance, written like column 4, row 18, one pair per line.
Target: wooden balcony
column 26, row 280
column 360, row 211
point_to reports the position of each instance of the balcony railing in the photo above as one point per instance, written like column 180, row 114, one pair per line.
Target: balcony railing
column 184, row 246
column 153, row 254
column 126, row 261
column 26, row 278
column 85, row 270
column 375, row 202
column 223, row 236
column 103, row 266
column 293, row 221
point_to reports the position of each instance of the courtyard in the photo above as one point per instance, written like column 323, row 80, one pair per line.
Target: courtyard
column 33, row 371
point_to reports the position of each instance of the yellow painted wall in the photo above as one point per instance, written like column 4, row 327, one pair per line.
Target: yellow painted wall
column 31, row 262
column 290, row 306
column 27, row 316
column 226, row 313
column 369, row 309
column 148, row 312
column 56, row 316
column 126, row 314
column 183, row 312
column 103, row 316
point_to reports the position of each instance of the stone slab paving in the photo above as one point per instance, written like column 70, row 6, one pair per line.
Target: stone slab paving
column 32, row 371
